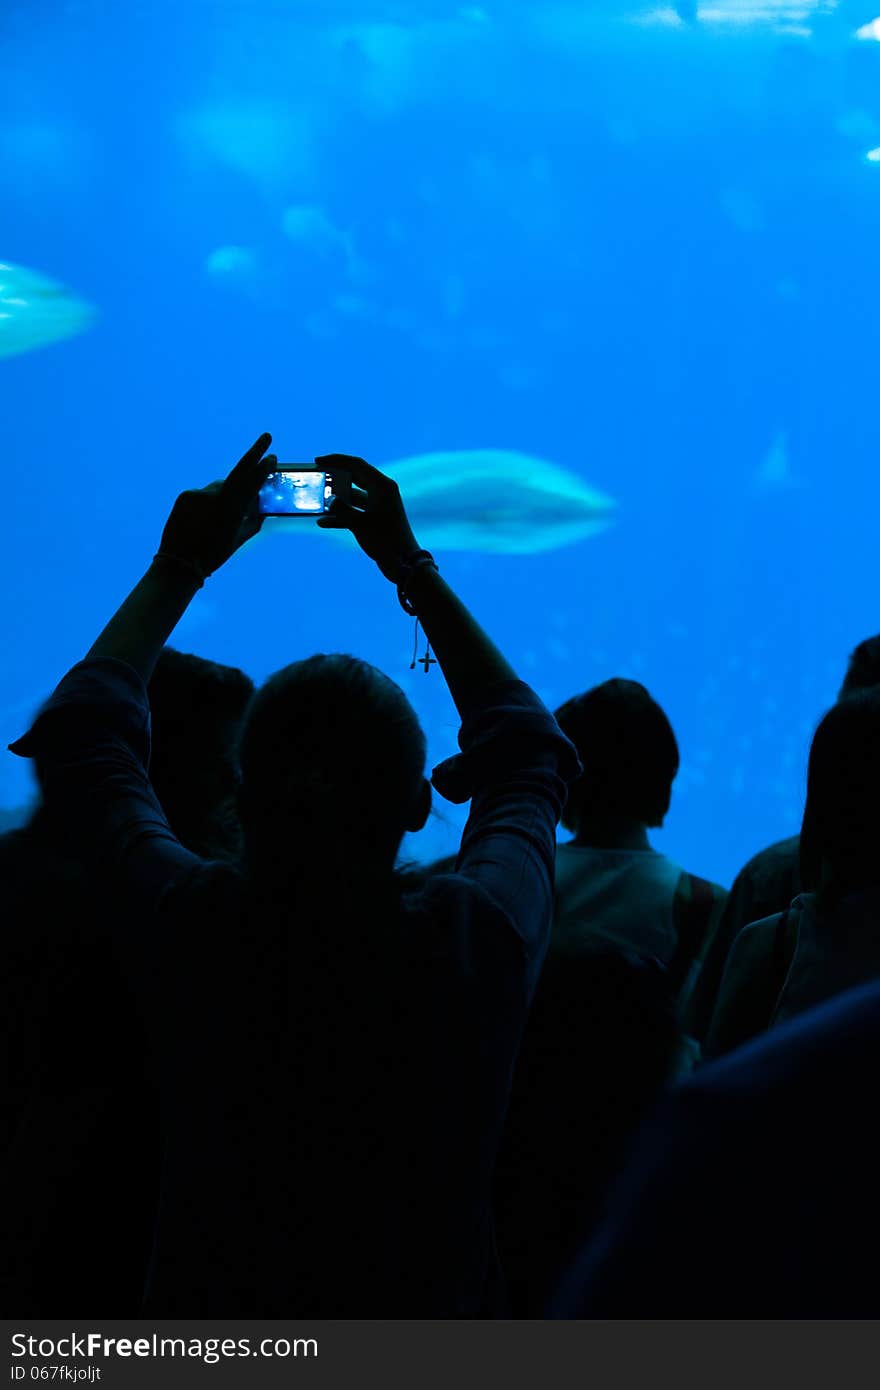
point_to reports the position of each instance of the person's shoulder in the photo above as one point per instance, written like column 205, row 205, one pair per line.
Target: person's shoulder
column 781, row 855
column 95, row 693
column 569, row 849
column 700, row 889
column 848, row 1023
column 574, row 862
column 758, row 936
column 827, row 1048
column 761, row 926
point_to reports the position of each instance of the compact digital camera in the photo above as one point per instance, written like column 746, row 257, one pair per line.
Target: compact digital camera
column 299, row 489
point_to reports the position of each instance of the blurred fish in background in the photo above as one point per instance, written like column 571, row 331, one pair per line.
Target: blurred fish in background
column 36, row 311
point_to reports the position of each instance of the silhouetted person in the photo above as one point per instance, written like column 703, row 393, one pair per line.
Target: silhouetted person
column 76, row 1216
column 771, row 878
column 333, row 1055
column 612, row 888
column 196, row 711
column 828, row 940
column 752, row 1189
column 43, row 886
column 600, row 1043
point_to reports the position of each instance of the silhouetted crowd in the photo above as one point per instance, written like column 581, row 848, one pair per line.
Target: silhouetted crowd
column 257, row 1066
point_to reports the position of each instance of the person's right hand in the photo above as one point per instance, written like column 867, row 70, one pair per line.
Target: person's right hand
column 375, row 515
column 208, row 524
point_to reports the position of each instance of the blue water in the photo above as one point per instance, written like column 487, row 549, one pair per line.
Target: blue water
column 643, row 249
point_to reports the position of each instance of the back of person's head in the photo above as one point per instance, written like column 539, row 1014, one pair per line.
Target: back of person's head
column 840, row 834
column 196, row 709
column 863, row 669
column 628, row 751
column 332, row 772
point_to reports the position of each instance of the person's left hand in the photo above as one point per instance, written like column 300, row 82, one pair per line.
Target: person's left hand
column 208, row 524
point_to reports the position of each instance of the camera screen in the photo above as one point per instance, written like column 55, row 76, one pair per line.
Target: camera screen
column 291, row 492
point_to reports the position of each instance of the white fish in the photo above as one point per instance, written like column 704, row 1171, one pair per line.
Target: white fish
column 869, row 31
column 35, row 310
column 497, row 500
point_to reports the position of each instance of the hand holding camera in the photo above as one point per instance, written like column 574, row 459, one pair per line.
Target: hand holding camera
column 373, row 512
column 208, row 524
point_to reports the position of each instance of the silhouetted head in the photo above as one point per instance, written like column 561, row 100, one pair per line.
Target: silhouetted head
column 840, row 835
column 332, row 772
column 196, row 709
column 863, row 670
column 629, row 755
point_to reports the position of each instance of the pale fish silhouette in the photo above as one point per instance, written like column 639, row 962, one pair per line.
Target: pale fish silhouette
column 35, row 311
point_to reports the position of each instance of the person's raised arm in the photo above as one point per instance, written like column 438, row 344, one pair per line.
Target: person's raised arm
column 468, row 658
column 91, row 740
column 205, row 528
column 515, row 761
